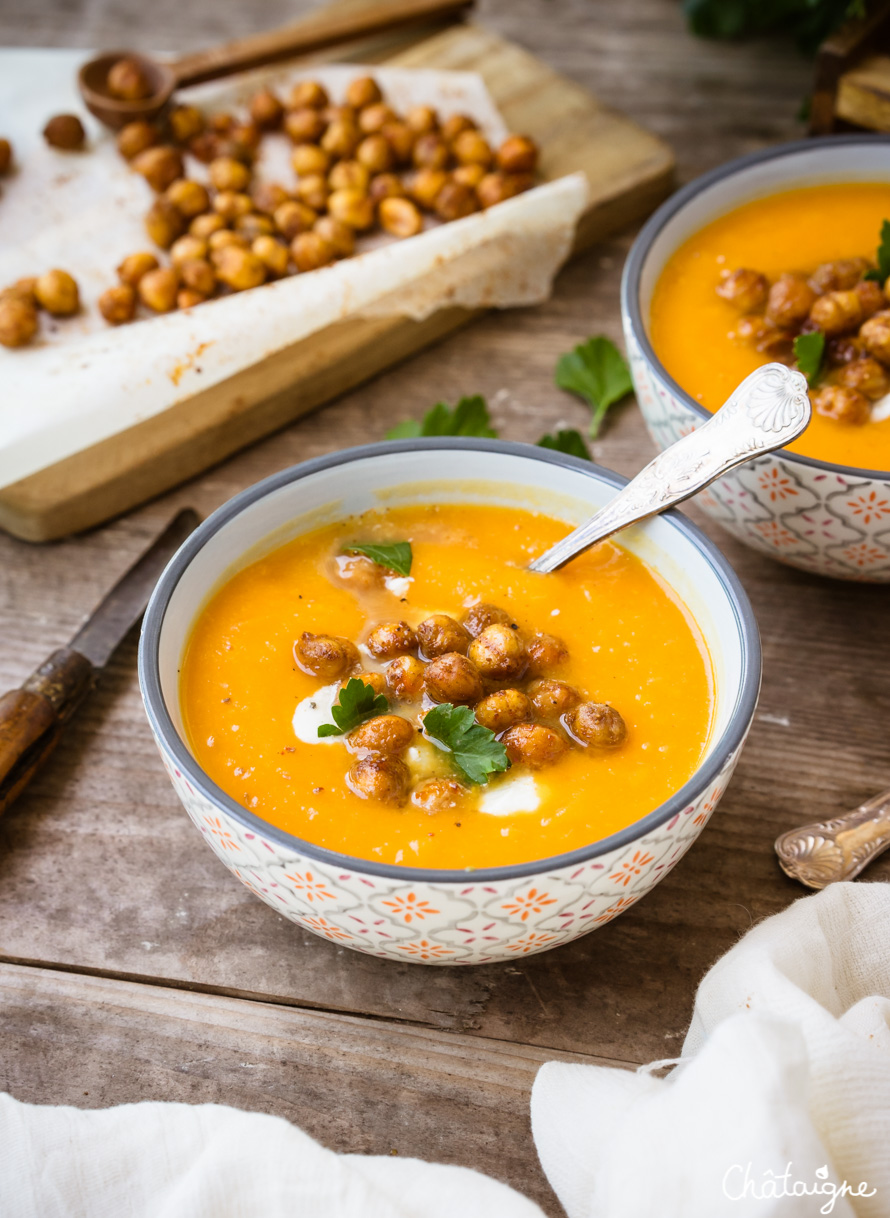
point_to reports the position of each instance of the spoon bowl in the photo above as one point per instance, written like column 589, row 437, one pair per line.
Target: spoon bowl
column 116, row 112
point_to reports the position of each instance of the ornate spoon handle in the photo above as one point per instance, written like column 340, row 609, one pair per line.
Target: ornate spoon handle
column 768, row 410
column 836, row 849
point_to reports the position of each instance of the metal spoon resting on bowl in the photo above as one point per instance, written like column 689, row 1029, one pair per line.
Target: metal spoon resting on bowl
column 768, row 410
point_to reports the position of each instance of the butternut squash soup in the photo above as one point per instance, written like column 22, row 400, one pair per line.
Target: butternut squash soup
column 793, row 277
column 399, row 688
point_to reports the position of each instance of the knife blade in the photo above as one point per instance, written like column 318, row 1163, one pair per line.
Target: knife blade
column 32, row 717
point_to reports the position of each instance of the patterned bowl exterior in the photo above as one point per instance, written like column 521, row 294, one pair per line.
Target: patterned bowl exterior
column 818, row 517
column 426, row 922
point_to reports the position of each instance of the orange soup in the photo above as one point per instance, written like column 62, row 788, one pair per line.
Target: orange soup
column 708, row 345
column 594, row 683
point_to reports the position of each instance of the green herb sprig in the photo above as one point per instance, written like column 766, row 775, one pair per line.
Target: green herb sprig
column 597, row 372
column 808, row 351
column 474, row 749
column 395, row 555
column 567, row 441
column 469, row 417
column 882, row 273
column 356, row 704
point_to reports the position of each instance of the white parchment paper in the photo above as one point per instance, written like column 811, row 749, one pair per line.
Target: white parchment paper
column 83, row 381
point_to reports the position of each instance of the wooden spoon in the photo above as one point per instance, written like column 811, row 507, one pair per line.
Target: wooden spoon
column 328, row 29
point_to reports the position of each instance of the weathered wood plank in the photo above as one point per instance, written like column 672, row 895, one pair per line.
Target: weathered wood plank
column 359, row 1086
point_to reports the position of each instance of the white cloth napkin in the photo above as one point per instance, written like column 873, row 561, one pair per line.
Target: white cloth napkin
column 783, row 1086
column 785, row 1070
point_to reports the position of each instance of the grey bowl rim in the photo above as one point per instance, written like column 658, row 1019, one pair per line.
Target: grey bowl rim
column 636, row 259
column 728, row 745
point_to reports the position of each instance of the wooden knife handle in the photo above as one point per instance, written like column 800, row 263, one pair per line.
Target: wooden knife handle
column 31, row 718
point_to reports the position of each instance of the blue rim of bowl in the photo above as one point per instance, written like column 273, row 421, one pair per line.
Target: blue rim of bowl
column 636, row 259
column 159, row 717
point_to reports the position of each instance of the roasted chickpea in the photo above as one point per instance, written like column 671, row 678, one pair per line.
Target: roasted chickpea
column 65, row 131
column 401, row 140
column 866, row 376
column 239, row 269
column 479, row 617
column 837, row 312
column 761, row 334
column 838, row 276
column 309, row 158
column 391, row 639
column 266, row 109
column 189, row 198
column 455, row 125
column 386, row 186
column 222, row 123
column 304, row 126
column 597, row 724
column 159, row 166
column 18, row 321
column 5, row 156
column 374, row 118
column 431, row 152
column 206, row 225
column 340, row 114
column 382, row 734
column 503, row 709
column 128, row 80
column 375, row 680
column 324, row 655
column 552, row 698
column 789, row 301
column 292, row 218
column 404, row 678
column 375, row 153
column 439, row 634
column 357, row 571
column 273, row 255
column 308, row 94
column 497, row 187
column 189, row 298
column 839, row 351
column 545, row 651
column 353, row 207
column 208, row 145
column 453, row 678
column 382, row 778
column 439, row 795
column 455, row 200
column 341, row 138
column 267, row 196
column 254, row 225
column 224, row 238
column 744, row 288
column 875, row 336
column 349, row 175
column 134, row 266
column 871, row 297
column 342, row 238
column 186, row 248
column 158, row 289
column 472, row 148
column 22, row 289
column 498, row 653
column 198, row 276
column 469, row 175
column 425, row 187
column 56, row 291
column 422, row 119
column 312, row 189
column 164, row 223
column 228, row 174
column 363, row 91
column 517, row 154
column 136, row 137
column 230, row 204
column 400, row 217
column 311, row 251
column 843, row 404
column 185, row 123
column 534, row 745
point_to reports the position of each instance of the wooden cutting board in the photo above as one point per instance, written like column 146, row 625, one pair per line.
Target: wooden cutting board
column 629, row 172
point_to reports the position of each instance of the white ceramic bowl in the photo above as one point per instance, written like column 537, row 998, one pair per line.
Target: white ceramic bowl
column 446, row 917
column 829, row 519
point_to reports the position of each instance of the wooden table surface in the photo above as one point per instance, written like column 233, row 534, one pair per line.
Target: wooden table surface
column 133, row 966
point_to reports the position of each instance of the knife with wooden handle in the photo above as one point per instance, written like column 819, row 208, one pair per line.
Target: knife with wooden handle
column 33, row 716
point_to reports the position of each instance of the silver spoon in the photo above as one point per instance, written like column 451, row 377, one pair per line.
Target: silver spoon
column 768, row 410
column 836, row 849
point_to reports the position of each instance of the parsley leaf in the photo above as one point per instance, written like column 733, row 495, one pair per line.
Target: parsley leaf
column 598, row 372
column 357, row 703
column 473, row 748
column 396, row 555
column 567, row 441
column 883, row 256
column 808, row 351
column 468, row 418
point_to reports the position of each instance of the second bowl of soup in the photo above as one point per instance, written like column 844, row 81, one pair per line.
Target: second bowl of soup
column 775, row 257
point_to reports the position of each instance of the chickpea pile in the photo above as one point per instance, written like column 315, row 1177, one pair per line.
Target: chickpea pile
column 850, row 310
column 482, row 662
column 358, row 166
column 55, row 292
